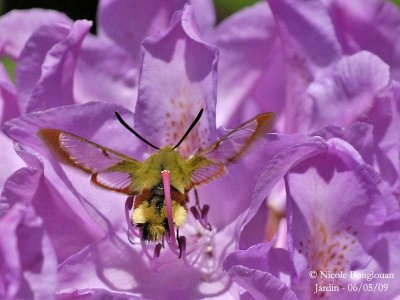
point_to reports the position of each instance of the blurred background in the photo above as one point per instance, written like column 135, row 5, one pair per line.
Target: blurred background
column 75, row 10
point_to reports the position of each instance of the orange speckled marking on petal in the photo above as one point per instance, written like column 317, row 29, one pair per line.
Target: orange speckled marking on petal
column 178, row 121
column 327, row 250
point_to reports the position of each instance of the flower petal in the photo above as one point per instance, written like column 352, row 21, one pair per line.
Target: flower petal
column 308, row 24
column 384, row 115
column 178, row 78
column 255, row 231
column 127, row 23
column 376, row 135
column 113, row 264
column 204, row 12
column 27, row 260
column 105, row 72
column 44, row 73
column 95, row 293
column 352, row 19
column 386, row 261
column 257, row 269
column 8, row 109
column 309, row 43
column 95, row 122
column 278, row 166
column 333, row 206
column 8, row 102
column 17, row 26
column 28, row 186
column 345, row 92
column 11, row 161
column 233, row 191
column 250, row 55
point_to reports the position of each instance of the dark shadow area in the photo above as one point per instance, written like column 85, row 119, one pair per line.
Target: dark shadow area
column 75, row 9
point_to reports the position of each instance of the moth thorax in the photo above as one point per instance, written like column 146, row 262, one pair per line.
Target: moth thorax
column 151, row 217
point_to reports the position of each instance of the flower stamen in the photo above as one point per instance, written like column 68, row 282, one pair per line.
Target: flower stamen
column 200, row 213
column 195, row 212
column 157, row 250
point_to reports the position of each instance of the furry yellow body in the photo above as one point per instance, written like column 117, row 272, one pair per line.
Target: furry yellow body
column 146, row 213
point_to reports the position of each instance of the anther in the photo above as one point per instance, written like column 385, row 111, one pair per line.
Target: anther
column 157, row 250
column 204, row 211
column 200, row 213
column 195, row 212
column 182, row 246
column 129, row 202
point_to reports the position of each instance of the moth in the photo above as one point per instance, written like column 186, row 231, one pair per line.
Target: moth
column 114, row 171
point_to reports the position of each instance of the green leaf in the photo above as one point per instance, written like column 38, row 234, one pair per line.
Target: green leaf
column 225, row 8
column 9, row 65
column 397, row 2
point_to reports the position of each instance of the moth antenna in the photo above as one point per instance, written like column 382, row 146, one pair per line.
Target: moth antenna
column 190, row 128
column 134, row 132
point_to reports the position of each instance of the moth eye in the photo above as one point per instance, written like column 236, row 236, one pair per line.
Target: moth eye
column 159, row 205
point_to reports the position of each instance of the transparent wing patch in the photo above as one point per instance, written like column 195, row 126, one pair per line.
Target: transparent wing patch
column 229, row 148
column 100, row 161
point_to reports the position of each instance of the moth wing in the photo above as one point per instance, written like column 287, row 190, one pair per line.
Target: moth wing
column 109, row 169
column 231, row 146
column 206, row 174
column 210, row 162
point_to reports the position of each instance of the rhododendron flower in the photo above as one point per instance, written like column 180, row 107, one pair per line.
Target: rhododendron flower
column 323, row 82
column 45, row 41
column 379, row 18
column 325, row 87
column 337, row 223
column 330, row 177
column 173, row 87
column 289, row 55
column 8, row 109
